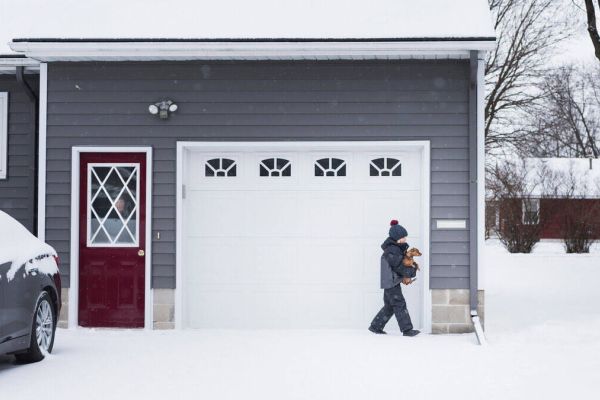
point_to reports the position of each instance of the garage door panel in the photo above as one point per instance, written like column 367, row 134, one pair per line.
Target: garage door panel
column 274, row 263
column 405, row 207
column 338, row 214
column 270, row 214
column 293, row 252
column 331, row 264
column 214, row 214
column 216, row 263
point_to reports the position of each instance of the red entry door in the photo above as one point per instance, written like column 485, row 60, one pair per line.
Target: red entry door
column 112, row 232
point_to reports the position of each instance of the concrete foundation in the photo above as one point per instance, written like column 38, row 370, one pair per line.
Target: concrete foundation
column 163, row 309
column 451, row 311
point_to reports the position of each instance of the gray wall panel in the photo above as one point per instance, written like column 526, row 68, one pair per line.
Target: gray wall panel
column 17, row 191
column 106, row 104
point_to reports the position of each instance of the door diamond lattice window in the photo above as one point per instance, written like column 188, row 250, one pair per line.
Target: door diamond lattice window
column 113, row 191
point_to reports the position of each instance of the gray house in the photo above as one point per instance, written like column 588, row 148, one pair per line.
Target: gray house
column 243, row 174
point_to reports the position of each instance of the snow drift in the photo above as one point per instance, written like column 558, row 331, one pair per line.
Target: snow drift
column 20, row 248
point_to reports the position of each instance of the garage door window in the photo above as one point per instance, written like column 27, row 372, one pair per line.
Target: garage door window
column 224, row 167
column 386, row 167
column 330, row 167
column 275, row 167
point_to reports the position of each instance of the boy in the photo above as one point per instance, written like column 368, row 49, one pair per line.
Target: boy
column 392, row 274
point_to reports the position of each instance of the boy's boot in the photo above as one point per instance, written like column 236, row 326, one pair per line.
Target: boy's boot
column 412, row 332
column 377, row 331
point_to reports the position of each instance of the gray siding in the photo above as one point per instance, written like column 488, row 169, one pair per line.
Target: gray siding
column 106, row 104
column 17, row 191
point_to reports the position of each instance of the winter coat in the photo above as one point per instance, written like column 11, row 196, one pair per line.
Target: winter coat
column 392, row 270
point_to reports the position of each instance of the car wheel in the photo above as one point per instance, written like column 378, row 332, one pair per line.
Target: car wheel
column 43, row 328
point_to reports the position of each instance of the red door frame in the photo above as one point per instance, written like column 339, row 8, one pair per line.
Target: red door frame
column 112, row 280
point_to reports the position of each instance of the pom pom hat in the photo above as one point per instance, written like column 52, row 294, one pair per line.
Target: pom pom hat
column 397, row 231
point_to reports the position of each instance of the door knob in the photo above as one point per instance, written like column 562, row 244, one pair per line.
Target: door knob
column 141, row 253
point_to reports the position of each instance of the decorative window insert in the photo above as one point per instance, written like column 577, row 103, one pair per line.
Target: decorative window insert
column 531, row 211
column 220, row 167
column 330, row 167
column 385, row 167
column 113, row 197
column 275, row 167
column 3, row 134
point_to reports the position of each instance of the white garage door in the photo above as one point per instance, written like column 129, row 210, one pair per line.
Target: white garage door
column 280, row 235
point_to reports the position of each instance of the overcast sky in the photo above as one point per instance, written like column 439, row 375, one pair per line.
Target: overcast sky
column 578, row 49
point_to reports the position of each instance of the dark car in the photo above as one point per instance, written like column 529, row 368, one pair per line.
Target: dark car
column 29, row 297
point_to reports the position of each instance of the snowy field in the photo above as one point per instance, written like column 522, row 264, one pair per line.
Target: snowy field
column 542, row 323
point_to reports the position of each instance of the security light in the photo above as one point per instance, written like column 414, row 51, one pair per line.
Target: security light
column 163, row 108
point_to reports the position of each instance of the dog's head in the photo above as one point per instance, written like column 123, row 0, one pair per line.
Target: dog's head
column 413, row 252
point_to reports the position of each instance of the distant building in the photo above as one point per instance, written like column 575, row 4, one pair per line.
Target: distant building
column 560, row 186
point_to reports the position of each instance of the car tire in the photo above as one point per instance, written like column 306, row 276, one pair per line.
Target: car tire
column 43, row 329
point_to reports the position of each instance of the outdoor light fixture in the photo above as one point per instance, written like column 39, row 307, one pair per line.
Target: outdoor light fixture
column 162, row 108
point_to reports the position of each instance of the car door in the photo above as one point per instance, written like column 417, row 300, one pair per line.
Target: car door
column 20, row 295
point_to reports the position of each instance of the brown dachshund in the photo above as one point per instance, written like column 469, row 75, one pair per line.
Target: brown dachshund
column 408, row 260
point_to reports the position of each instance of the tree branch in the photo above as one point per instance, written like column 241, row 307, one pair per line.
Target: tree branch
column 591, row 26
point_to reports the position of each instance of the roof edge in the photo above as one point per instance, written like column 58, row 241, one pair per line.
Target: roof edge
column 256, row 40
column 145, row 50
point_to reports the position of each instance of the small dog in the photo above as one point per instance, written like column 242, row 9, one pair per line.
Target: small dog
column 408, row 260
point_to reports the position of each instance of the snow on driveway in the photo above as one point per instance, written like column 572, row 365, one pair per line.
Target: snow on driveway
column 543, row 326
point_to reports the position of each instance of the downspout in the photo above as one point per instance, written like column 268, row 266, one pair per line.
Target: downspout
column 473, row 195
column 20, row 74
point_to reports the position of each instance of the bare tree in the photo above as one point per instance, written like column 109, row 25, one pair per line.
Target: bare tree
column 526, row 32
column 573, row 207
column 592, row 27
column 565, row 121
column 512, row 191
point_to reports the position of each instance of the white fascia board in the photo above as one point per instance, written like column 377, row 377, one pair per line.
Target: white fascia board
column 18, row 62
column 8, row 65
column 148, row 51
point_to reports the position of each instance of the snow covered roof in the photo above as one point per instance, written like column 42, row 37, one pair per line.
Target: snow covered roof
column 582, row 174
column 117, row 21
column 18, row 245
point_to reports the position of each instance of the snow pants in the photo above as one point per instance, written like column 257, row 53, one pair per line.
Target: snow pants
column 393, row 304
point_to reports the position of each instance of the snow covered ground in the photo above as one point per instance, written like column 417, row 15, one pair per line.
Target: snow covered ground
column 542, row 323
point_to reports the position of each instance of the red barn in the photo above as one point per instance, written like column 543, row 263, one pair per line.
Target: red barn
column 561, row 192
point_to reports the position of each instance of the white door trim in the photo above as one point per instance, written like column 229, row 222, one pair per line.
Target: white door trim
column 423, row 146
column 74, row 259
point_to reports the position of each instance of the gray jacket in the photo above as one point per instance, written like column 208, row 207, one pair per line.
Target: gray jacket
column 392, row 270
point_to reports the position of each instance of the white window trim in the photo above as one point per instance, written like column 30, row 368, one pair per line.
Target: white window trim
column 537, row 209
column 3, row 134
column 89, row 202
